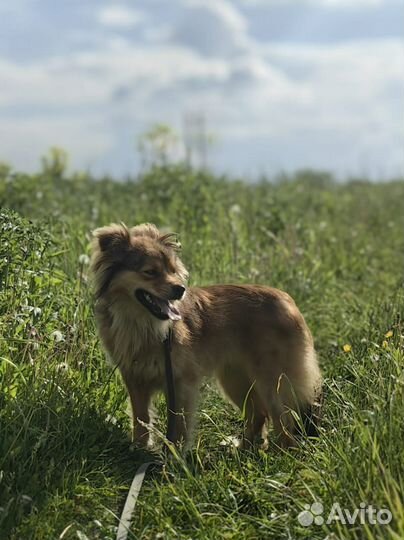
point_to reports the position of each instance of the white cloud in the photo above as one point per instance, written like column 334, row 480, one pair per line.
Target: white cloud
column 335, row 4
column 25, row 140
column 212, row 27
column 119, row 16
column 351, row 89
column 355, row 4
column 316, row 104
column 59, row 82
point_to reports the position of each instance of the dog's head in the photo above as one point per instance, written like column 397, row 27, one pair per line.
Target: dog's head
column 140, row 264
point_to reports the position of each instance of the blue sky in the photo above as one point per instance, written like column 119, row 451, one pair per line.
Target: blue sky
column 281, row 84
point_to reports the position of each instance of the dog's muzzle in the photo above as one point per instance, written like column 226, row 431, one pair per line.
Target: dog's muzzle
column 160, row 308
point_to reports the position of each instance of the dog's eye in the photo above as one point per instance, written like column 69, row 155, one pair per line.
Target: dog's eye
column 150, row 272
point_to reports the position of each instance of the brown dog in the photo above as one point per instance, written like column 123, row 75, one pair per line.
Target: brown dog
column 252, row 338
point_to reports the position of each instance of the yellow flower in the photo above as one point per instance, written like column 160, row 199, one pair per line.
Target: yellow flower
column 385, row 344
column 347, row 347
column 388, row 334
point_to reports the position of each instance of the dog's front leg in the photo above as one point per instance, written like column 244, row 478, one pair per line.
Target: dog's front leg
column 140, row 398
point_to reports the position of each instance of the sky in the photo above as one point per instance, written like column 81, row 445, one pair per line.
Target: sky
column 280, row 85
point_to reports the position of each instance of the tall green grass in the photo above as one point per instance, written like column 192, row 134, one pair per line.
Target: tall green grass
column 65, row 457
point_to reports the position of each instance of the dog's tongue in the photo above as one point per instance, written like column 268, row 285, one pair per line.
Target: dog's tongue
column 173, row 313
column 170, row 310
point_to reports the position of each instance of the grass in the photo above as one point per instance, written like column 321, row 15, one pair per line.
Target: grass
column 65, row 457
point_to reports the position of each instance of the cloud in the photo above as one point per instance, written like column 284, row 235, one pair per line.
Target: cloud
column 347, row 3
column 212, row 27
column 334, row 4
column 53, row 84
column 119, row 16
column 26, row 139
column 277, row 105
column 337, row 102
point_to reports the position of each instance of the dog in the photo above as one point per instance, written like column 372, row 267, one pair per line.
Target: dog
column 251, row 338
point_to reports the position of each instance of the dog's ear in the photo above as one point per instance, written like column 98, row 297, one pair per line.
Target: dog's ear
column 113, row 237
column 171, row 241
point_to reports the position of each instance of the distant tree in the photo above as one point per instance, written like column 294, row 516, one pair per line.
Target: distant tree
column 5, row 169
column 159, row 146
column 55, row 162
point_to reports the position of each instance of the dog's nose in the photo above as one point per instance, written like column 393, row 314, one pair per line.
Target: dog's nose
column 178, row 292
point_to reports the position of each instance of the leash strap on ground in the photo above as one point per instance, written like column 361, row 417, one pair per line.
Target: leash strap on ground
column 170, row 399
column 131, row 499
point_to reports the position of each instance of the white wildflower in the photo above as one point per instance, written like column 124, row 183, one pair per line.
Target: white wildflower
column 235, row 210
column 111, row 419
column 84, row 259
column 57, row 336
column 62, row 366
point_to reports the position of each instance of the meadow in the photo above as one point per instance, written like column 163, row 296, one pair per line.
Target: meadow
column 66, row 460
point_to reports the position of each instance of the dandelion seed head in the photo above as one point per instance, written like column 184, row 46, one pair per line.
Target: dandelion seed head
column 235, row 210
column 57, row 336
column 84, row 259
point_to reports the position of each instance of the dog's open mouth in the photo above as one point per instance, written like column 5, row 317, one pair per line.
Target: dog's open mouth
column 162, row 309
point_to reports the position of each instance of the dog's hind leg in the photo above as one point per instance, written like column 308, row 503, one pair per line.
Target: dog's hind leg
column 283, row 423
column 286, row 404
column 241, row 391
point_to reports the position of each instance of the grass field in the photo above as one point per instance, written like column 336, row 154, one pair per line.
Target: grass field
column 65, row 457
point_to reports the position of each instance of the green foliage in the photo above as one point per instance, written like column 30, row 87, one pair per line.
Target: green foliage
column 65, row 461
column 55, row 163
column 157, row 146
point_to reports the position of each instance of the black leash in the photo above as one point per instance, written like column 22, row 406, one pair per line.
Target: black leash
column 170, row 398
column 126, row 517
